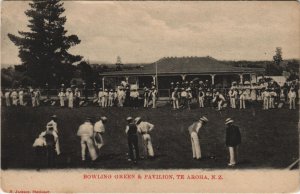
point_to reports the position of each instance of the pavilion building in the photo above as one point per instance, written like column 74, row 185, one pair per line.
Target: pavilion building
column 173, row 69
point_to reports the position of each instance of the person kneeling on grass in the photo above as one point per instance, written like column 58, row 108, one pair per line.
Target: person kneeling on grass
column 233, row 140
column 144, row 129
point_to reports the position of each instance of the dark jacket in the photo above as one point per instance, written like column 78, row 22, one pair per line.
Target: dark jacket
column 233, row 136
column 132, row 129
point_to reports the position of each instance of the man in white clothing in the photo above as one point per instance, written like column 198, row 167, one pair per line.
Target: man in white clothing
column 99, row 130
column 14, row 98
column 153, row 96
column 86, row 132
column 265, row 96
column 194, row 130
column 61, row 96
column 144, row 128
column 21, row 97
column 7, row 98
column 292, row 98
column 53, row 123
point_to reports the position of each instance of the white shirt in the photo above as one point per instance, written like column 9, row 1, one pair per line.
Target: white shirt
column 100, row 94
column 61, row 94
column 195, row 127
column 85, row 130
column 53, row 133
column 6, row 94
column 292, row 94
column 21, row 93
column 70, row 96
column 183, row 94
column 14, row 94
column 144, row 127
column 134, row 94
column 99, row 127
column 54, row 124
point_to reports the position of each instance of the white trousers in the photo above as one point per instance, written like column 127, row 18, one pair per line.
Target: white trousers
column 121, row 101
column 242, row 104
column 154, row 103
column 70, row 103
column 7, row 100
column 15, row 101
column 62, row 102
column 148, row 145
column 57, row 148
column 271, row 103
column 146, row 102
column 201, row 102
column 232, row 103
column 88, row 142
column 110, row 101
column 33, row 101
column 21, row 101
column 195, row 145
column 175, row 103
column 292, row 103
column 233, row 155
column 220, row 105
column 266, row 104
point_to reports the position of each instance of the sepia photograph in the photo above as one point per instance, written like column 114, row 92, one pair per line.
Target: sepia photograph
column 168, row 96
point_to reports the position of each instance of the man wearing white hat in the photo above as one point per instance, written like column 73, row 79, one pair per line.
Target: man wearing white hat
column 53, row 124
column 194, row 130
column 121, row 96
column 201, row 96
column 233, row 140
column 99, row 130
column 7, row 97
column 70, row 98
column 50, row 137
column 61, row 96
column 86, row 132
column 14, row 97
column 175, row 99
column 111, row 98
column 21, row 97
column 131, row 131
column 144, row 128
column 265, row 96
column 105, row 98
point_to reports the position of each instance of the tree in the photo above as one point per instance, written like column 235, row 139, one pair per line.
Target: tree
column 278, row 56
column 44, row 49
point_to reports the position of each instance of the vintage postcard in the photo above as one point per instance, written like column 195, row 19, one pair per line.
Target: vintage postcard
column 150, row 96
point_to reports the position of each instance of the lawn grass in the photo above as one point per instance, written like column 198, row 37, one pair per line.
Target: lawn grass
column 270, row 139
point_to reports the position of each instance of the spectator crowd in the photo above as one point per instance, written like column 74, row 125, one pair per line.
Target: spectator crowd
column 184, row 95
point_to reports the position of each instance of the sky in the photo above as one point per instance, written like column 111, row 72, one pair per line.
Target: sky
column 142, row 32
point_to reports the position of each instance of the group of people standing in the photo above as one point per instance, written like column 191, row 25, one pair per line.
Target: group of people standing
column 270, row 95
column 233, row 139
column 91, row 139
column 69, row 95
column 21, row 96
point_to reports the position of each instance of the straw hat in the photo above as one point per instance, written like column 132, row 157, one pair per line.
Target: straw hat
column 129, row 119
column 228, row 120
column 103, row 118
column 137, row 119
column 204, row 119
